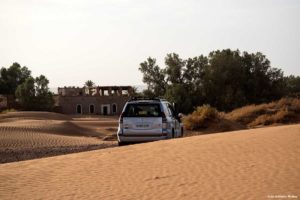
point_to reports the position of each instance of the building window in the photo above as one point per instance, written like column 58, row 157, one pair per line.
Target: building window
column 92, row 109
column 78, row 109
column 114, row 108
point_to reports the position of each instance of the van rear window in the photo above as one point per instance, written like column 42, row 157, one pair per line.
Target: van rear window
column 142, row 110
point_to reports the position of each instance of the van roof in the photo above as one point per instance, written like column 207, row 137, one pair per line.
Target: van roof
column 145, row 99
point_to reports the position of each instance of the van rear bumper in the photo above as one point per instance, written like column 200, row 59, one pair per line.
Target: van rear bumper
column 140, row 138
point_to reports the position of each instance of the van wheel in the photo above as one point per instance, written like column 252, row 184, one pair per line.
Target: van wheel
column 121, row 143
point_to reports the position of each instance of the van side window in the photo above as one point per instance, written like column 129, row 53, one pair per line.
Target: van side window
column 167, row 111
column 171, row 110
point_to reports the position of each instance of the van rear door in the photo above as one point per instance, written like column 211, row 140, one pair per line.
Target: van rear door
column 142, row 119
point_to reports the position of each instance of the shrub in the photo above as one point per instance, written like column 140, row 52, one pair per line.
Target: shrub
column 286, row 110
column 295, row 105
column 200, row 117
column 247, row 114
column 281, row 116
column 8, row 110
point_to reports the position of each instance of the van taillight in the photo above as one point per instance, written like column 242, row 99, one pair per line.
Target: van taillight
column 164, row 121
column 121, row 118
column 121, row 123
column 163, row 115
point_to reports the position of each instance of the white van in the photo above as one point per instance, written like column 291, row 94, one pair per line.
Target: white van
column 148, row 119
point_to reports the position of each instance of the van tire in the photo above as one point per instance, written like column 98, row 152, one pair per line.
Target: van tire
column 121, row 144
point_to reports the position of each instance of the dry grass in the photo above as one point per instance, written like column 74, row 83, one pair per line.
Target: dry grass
column 286, row 110
column 200, row 117
column 8, row 111
column 246, row 114
column 208, row 120
column 282, row 116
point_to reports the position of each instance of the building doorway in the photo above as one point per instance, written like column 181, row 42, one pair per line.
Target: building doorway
column 92, row 109
column 105, row 109
column 114, row 108
column 78, row 109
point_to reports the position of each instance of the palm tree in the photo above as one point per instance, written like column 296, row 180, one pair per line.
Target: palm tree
column 89, row 84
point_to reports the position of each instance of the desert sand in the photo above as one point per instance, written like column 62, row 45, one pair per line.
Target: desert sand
column 29, row 135
column 255, row 164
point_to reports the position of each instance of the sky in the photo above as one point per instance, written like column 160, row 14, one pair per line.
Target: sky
column 71, row 41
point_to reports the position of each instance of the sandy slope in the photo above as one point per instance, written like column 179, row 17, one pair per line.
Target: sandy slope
column 28, row 135
column 35, row 115
column 249, row 164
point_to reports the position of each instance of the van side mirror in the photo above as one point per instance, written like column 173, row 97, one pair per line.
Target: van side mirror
column 179, row 117
column 175, row 107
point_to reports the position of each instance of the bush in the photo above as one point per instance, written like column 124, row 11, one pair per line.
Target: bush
column 201, row 117
column 281, row 116
column 247, row 114
column 8, row 110
column 293, row 104
column 285, row 110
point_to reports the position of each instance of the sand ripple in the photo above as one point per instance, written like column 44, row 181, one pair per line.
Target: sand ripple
column 250, row 164
column 29, row 135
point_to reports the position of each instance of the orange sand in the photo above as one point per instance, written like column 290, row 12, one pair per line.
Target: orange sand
column 28, row 135
column 248, row 164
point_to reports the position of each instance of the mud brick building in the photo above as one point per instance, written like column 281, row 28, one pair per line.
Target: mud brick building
column 100, row 100
column 7, row 102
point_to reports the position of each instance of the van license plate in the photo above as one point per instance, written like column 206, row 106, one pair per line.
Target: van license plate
column 142, row 125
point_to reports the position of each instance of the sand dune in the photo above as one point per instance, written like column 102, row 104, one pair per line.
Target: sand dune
column 28, row 135
column 248, row 164
column 33, row 115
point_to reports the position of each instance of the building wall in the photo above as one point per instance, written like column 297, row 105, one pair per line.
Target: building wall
column 6, row 101
column 3, row 102
column 68, row 104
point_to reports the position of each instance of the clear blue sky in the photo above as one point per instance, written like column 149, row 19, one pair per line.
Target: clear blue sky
column 71, row 41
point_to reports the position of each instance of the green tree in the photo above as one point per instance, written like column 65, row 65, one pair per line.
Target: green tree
column 11, row 77
column 180, row 94
column 194, row 70
column 34, row 94
column 25, row 94
column 154, row 77
column 89, row 84
column 43, row 97
column 263, row 83
column 174, row 68
column 193, row 76
column 225, row 79
column 292, row 84
column 148, row 93
column 135, row 91
column 185, row 81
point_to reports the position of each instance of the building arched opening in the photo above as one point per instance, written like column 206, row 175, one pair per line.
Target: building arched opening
column 78, row 109
column 92, row 109
column 114, row 108
column 105, row 110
